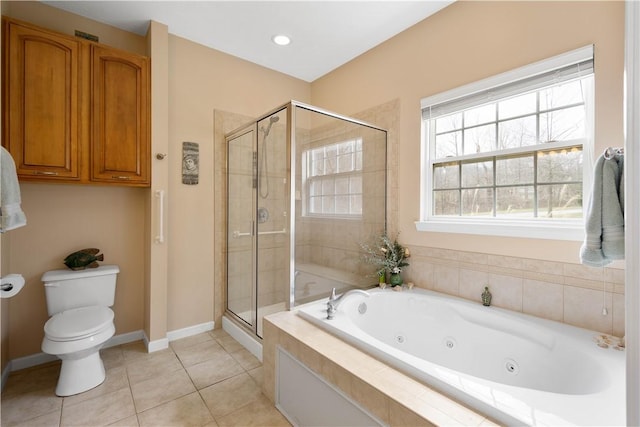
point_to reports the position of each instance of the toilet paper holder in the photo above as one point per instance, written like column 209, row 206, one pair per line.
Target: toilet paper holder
column 10, row 285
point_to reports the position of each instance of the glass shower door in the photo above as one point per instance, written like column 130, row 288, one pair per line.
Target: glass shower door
column 272, row 218
column 258, row 246
column 241, row 194
column 305, row 187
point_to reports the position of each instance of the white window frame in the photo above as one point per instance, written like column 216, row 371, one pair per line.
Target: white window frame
column 554, row 229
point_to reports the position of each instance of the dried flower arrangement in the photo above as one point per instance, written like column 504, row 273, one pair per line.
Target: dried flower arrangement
column 388, row 256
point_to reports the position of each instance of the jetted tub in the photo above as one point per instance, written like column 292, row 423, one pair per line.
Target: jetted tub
column 515, row 368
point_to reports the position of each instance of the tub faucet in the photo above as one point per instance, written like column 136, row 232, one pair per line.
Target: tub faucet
column 332, row 304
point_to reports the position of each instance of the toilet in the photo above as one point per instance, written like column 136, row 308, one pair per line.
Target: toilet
column 81, row 322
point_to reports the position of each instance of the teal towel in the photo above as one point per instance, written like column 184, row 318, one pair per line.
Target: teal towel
column 604, row 225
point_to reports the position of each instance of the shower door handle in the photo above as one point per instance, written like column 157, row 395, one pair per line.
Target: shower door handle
column 283, row 231
column 237, row 233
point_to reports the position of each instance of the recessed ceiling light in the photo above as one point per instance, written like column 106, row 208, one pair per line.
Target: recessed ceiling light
column 281, row 39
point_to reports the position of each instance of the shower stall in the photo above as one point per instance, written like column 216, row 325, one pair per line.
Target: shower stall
column 305, row 187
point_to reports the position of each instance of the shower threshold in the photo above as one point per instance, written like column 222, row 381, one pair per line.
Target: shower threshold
column 241, row 334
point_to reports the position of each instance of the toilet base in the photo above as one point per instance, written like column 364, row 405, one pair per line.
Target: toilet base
column 80, row 375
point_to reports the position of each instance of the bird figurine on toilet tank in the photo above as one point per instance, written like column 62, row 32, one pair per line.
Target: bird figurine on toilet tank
column 83, row 258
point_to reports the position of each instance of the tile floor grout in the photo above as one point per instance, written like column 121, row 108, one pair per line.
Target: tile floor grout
column 208, row 380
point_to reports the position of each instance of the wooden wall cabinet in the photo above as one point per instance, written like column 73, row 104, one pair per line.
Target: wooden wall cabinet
column 119, row 117
column 42, row 105
column 74, row 111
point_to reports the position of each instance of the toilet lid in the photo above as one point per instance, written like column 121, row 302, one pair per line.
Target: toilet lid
column 78, row 323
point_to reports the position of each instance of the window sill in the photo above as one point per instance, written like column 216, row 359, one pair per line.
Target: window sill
column 556, row 230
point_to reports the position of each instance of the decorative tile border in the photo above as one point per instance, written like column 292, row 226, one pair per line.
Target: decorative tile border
column 558, row 291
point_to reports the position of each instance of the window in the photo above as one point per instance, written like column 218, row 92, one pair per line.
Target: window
column 333, row 180
column 505, row 155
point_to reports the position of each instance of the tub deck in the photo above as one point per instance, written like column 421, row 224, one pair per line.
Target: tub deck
column 392, row 396
column 515, row 368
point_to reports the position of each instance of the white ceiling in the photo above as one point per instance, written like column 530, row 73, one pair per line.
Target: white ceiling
column 325, row 34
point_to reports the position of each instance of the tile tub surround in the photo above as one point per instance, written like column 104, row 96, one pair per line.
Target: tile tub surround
column 563, row 292
column 390, row 395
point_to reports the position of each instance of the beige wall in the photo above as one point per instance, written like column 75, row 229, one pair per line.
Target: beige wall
column 63, row 218
column 465, row 42
column 121, row 221
column 4, row 269
column 4, row 309
column 203, row 80
column 66, row 23
column 157, row 252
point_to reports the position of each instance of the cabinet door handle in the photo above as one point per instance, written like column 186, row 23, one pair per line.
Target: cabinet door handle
column 120, row 177
column 46, row 173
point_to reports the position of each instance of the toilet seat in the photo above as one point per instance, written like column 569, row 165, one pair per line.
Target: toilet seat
column 78, row 323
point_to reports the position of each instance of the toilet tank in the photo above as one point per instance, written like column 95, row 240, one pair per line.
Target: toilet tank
column 67, row 289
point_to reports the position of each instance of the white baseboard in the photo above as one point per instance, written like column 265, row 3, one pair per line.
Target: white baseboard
column 156, row 345
column 41, row 358
column 124, row 338
column 243, row 338
column 191, row 330
column 5, row 375
column 163, row 343
column 31, row 360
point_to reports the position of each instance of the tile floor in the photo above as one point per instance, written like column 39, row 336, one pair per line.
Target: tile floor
column 208, row 379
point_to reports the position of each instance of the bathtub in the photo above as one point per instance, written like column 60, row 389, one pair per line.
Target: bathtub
column 313, row 281
column 514, row 368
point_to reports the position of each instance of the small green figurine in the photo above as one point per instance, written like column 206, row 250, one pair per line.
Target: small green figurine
column 486, row 297
column 83, row 258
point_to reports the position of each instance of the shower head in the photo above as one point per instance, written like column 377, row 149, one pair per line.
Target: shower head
column 264, row 189
column 272, row 120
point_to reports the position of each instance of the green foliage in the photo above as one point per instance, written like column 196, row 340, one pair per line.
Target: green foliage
column 386, row 255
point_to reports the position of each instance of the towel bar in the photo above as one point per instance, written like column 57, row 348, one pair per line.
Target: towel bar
column 610, row 152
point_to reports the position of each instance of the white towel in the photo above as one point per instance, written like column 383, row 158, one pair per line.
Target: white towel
column 604, row 226
column 11, row 215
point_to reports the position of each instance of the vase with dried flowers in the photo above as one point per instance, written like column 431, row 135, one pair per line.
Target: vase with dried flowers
column 388, row 256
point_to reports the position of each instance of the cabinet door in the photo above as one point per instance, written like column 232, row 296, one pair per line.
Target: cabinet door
column 42, row 103
column 120, row 148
